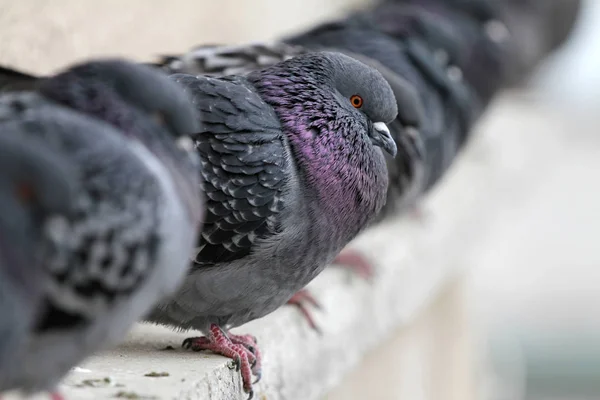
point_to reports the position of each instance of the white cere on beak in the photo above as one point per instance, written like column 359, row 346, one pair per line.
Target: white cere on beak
column 381, row 127
column 185, row 143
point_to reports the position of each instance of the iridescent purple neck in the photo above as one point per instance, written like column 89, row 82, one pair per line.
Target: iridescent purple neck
column 343, row 170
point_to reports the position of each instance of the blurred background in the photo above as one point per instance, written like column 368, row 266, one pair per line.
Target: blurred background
column 534, row 287
column 533, row 280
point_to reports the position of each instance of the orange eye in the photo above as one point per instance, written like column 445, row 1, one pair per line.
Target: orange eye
column 25, row 192
column 356, row 101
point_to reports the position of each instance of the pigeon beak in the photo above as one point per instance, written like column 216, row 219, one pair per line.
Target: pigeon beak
column 381, row 137
column 185, row 143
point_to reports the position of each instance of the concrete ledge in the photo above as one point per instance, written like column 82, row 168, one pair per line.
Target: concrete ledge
column 414, row 263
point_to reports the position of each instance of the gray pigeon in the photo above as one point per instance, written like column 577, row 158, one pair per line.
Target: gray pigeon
column 120, row 131
column 293, row 170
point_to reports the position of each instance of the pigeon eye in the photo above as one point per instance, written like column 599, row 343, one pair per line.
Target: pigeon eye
column 356, row 101
column 159, row 118
column 25, row 192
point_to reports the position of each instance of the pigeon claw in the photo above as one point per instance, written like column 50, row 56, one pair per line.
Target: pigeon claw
column 347, row 258
column 354, row 261
column 234, row 347
column 250, row 343
column 299, row 300
column 195, row 343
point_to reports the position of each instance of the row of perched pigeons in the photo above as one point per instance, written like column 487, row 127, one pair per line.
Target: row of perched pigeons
column 259, row 163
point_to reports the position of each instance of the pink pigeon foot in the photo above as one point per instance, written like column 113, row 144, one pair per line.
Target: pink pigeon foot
column 220, row 342
column 418, row 213
column 300, row 300
column 347, row 258
column 354, row 261
column 56, row 396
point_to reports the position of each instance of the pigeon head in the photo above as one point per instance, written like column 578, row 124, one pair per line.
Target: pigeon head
column 35, row 178
column 334, row 110
column 363, row 90
column 35, row 185
column 337, row 81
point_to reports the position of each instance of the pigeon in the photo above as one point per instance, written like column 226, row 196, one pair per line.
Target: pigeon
column 122, row 239
column 293, row 169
